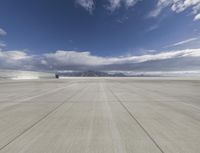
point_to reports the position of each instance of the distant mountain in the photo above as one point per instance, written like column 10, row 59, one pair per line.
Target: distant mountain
column 89, row 74
column 126, row 73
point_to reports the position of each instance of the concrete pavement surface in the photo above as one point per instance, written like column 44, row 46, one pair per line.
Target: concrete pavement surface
column 100, row 115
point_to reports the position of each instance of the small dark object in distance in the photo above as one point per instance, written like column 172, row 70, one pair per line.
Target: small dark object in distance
column 57, row 76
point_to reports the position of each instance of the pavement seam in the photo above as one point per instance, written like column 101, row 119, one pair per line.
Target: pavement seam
column 41, row 119
column 24, row 99
column 164, row 94
column 134, row 118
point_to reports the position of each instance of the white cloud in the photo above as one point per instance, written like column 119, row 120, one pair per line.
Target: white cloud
column 76, row 60
column 159, row 56
column 161, row 4
column 89, row 5
column 15, row 60
column 176, row 6
column 152, row 28
column 130, row 2
column 183, row 42
column 13, row 55
column 2, row 32
column 197, row 17
column 2, row 45
column 85, row 58
column 115, row 4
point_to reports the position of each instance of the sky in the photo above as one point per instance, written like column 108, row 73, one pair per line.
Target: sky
column 123, row 35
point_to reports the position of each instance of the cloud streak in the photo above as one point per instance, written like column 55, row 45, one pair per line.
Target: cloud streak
column 182, row 42
column 73, row 60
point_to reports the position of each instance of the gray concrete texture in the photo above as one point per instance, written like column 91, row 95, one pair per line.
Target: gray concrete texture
column 100, row 115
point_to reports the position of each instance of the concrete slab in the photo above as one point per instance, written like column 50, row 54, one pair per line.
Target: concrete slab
column 101, row 115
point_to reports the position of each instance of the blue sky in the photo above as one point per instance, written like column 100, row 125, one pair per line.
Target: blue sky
column 104, row 29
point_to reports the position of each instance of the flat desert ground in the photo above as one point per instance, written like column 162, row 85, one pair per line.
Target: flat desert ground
column 100, row 115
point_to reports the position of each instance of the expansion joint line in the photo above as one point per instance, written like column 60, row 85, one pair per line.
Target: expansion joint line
column 134, row 118
column 41, row 119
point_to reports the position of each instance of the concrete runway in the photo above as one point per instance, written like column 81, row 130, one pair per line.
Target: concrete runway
column 100, row 115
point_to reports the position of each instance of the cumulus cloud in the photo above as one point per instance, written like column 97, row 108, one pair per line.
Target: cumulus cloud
column 15, row 60
column 73, row 60
column 2, row 32
column 177, row 6
column 14, row 55
column 89, row 5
